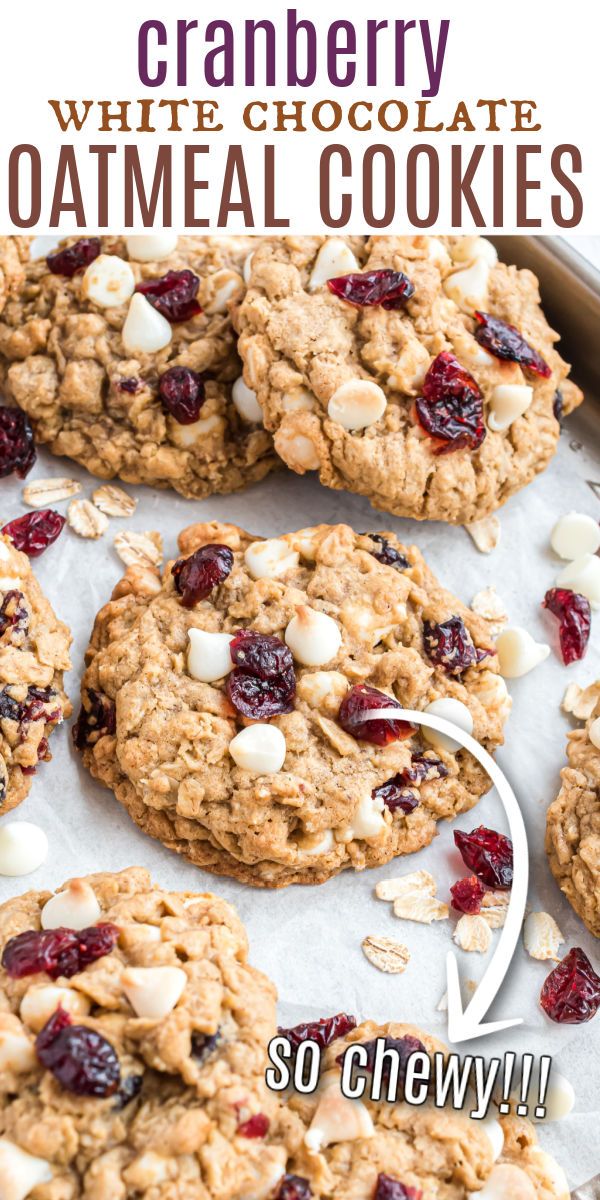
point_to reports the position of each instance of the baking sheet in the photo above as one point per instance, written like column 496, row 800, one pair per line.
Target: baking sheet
column 309, row 939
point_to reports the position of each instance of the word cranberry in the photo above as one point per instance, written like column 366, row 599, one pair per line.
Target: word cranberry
column 57, row 951
column 391, row 1189
column 449, row 645
column 571, row 993
column 451, row 407
column 95, row 721
column 323, row 1032
column 13, row 612
column 505, row 342
column 70, row 259
column 395, row 795
column 293, row 1187
column 80, row 1059
column 34, row 532
column 575, row 621
column 386, row 553
column 263, row 683
column 405, row 1046
column 467, row 894
column 354, row 712
column 17, row 451
column 488, row 854
column 390, row 289
column 196, row 576
column 182, row 394
column 173, row 295
column 255, row 1127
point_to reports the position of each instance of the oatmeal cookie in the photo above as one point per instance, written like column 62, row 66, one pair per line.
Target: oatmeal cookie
column 133, row 1039
column 34, row 652
column 573, row 820
column 14, row 252
column 372, row 367
column 368, row 1150
column 228, row 704
column 137, row 383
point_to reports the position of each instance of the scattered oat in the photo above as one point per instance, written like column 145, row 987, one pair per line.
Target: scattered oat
column 487, row 604
column 44, row 492
column 113, row 501
column 417, row 881
column 86, row 520
column 494, row 908
column 418, row 906
column 541, row 936
column 485, row 533
column 145, row 549
column 386, row 954
column 581, row 702
column 473, row 933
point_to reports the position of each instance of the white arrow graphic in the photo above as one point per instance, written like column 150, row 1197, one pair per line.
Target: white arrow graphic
column 466, row 1024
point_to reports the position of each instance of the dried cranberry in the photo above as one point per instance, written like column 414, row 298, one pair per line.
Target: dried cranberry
column 388, row 1188
column 17, row 451
column 390, row 289
column 131, row 385
column 196, row 576
column 174, row 295
column 263, row 683
column 10, row 710
column 558, row 406
column 95, row 721
column 396, row 795
column 57, row 951
column 451, row 407
column 575, row 621
column 260, row 653
column 255, row 1127
column 203, row 1044
column 293, row 1187
column 467, row 894
column 70, row 259
column 488, row 854
column 323, row 1032
column 571, row 992
column 36, row 704
column 386, row 554
column 182, row 394
column 505, row 342
column 13, row 612
column 129, row 1089
column 80, row 1059
column 424, row 766
column 354, row 716
column 449, row 645
column 405, row 1046
column 34, row 532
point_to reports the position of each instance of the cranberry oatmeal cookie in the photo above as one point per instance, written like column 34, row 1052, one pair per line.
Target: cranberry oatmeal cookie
column 121, row 351
column 573, row 820
column 228, row 704
column 34, row 652
column 133, row 1039
column 14, row 251
column 419, row 372
column 342, row 1149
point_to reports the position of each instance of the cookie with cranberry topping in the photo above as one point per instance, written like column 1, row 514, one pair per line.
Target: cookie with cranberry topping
column 138, row 1068
column 34, row 653
column 122, row 353
column 244, row 706
column 14, row 253
column 417, row 371
column 573, row 819
column 397, row 1151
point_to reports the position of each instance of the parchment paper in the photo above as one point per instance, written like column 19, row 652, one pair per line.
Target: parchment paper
column 309, row 939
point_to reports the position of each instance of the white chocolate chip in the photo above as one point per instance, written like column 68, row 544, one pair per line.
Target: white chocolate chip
column 76, row 907
column 546, row 1167
column 518, row 653
column 583, row 576
column 108, row 281
column 416, row 881
column 225, row 284
column 259, row 748
column 541, row 936
column 40, row 1002
column 153, row 992
column 367, row 821
column 437, row 252
column 337, row 1119
column 17, row 1052
column 334, row 258
column 145, row 330
column 208, row 655
column 448, row 709
column 508, row 401
column 315, row 843
column 326, row 688
column 151, row 247
column 189, row 435
column 473, row 933
column 559, row 1100
column 298, row 399
column 594, row 733
column 465, row 249
column 297, row 450
column 271, row 558
column 246, row 403
column 575, row 534
column 469, row 288
column 495, row 1134
column 506, row 1182
column 313, row 637
column 418, row 906
column 357, row 404
column 23, row 848
column 20, row 1172
column 142, row 932
column 247, row 268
